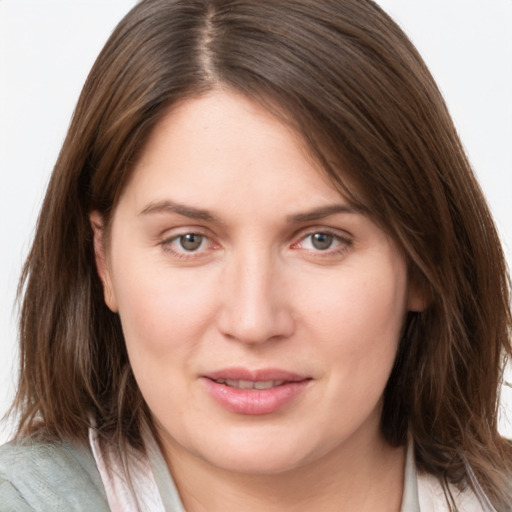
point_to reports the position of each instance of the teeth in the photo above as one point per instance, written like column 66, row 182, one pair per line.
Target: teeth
column 249, row 384
column 267, row 384
column 245, row 384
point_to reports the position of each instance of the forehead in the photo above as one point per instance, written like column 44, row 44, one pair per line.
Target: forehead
column 224, row 146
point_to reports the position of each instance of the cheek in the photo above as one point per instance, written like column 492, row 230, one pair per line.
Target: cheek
column 357, row 327
column 164, row 316
column 162, row 311
column 360, row 319
column 376, row 309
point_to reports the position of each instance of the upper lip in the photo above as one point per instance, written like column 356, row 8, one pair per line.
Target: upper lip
column 257, row 375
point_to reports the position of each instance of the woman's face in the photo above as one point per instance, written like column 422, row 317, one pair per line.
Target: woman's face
column 261, row 310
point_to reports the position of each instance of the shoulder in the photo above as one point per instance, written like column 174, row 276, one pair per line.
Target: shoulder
column 58, row 476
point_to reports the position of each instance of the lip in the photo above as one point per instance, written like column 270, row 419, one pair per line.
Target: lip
column 255, row 375
column 255, row 401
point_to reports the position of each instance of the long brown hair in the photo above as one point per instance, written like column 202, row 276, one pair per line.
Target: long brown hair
column 349, row 81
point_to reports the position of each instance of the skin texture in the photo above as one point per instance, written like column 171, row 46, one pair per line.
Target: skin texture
column 256, row 292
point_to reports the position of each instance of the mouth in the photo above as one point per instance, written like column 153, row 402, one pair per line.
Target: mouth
column 258, row 392
column 249, row 384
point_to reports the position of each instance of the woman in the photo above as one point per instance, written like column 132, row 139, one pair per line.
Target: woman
column 263, row 278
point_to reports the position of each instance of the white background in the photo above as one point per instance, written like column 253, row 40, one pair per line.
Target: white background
column 47, row 49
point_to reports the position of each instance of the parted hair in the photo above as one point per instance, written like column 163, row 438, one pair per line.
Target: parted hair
column 346, row 78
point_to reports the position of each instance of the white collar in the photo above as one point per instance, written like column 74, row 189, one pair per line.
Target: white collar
column 143, row 493
column 424, row 492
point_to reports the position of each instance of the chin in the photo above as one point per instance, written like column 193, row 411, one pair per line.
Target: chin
column 255, row 462
column 265, row 452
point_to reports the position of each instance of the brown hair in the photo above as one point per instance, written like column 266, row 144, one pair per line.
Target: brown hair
column 348, row 80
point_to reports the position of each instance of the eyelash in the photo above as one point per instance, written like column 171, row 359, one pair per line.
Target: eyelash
column 342, row 244
column 167, row 245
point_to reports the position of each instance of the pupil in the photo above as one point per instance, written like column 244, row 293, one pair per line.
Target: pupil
column 321, row 241
column 191, row 242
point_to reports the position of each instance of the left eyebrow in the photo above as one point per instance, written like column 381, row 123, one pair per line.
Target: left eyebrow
column 322, row 212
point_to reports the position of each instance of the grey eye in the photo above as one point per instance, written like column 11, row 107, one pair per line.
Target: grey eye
column 321, row 241
column 191, row 241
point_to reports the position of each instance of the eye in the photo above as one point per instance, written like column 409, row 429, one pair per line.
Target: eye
column 323, row 242
column 188, row 245
column 319, row 241
column 190, row 242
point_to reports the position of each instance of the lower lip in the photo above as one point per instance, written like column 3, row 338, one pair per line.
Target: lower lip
column 255, row 401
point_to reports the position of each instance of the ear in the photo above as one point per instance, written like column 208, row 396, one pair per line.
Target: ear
column 417, row 296
column 100, row 256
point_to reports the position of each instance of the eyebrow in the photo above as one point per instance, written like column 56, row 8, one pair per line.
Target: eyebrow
column 180, row 209
column 202, row 214
column 324, row 211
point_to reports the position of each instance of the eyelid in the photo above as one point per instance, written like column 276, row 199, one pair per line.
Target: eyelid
column 167, row 239
column 311, row 230
column 344, row 238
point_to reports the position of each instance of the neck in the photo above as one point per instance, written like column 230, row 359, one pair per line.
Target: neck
column 363, row 476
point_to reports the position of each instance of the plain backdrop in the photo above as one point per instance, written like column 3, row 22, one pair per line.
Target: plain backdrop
column 47, row 49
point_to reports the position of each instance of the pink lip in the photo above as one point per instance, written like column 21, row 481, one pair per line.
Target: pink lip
column 255, row 401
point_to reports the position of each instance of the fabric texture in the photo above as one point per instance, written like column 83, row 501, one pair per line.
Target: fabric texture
column 140, row 494
column 431, row 497
column 57, row 477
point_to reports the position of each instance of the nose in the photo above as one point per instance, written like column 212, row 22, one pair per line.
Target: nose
column 255, row 302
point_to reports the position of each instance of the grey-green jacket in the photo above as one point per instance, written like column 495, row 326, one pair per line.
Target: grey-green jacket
column 63, row 477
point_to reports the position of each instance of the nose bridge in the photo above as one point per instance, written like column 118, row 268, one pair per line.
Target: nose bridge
column 255, row 308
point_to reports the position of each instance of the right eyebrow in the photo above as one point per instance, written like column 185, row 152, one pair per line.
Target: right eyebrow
column 167, row 205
